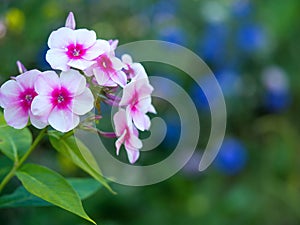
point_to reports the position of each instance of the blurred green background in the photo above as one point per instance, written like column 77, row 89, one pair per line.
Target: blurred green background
column 253, row 49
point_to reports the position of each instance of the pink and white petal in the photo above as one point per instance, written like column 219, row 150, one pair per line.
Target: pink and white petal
column 28, row 78
column 133, row 154
column 81, row 64
column 117, row 63
column 139, row 71
column 113, row 44
column 143, row 87
column 120, row 141
column 63, row 120
column 41, row 106
column 70, row 21
column 61, row 38
column 151, row 109
column 83, row 103
column 73, row 81
column 1, row 99
column 85, row 37
column 110, row 83
column 128, row 94
column 101, row 77
column 11, row 89
column 16, row 117
column 120, row 78
column 89, row 71
column 46, row 82
column 100, row 47
column 38, row 121
column 58, row 59
column 143, row 104
column 134, row 141
column 120, row 122
column 126, row 59
column 141, row 120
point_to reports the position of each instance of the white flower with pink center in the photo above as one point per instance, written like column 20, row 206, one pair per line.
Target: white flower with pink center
column 107, row 68
column 128, row 135
column 72, row 48
column 62, row 99
column 16, row 99
column 137, row 99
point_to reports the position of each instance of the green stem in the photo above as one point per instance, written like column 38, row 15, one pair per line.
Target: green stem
column 18, row 164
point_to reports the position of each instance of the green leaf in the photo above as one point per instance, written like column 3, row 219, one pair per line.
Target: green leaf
column 85, row 187
column 13, row 143
column 52, row 187
column 79, row 154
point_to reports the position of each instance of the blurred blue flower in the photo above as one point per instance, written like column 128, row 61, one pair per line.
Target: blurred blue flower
column 213, row 45
column 277, row 96
column 229, row 81
column 277, row 101
column 232, row 156
column 251, row 38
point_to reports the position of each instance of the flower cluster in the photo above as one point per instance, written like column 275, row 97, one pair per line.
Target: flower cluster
column 86, row 62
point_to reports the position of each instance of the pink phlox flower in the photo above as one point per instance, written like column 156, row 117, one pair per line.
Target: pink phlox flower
column 16, row 99
column 131, row 69
column 73, row 48
column 62, row 99
column 70, row 21
column 128, row 135
column 107, row 68
column 137, row 99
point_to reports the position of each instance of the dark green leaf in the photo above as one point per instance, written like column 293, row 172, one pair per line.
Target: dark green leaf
column 51, row 187
column 85, row 187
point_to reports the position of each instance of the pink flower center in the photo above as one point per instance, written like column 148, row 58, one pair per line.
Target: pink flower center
column 75, row 51
column 61, row 98
column 105, row 64
column 26, row 98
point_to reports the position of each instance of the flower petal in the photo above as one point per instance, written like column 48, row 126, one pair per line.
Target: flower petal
column 120, row 122
column 141, row 120
column 126, row 59
column 133, row 155
column 101, row 77
column 100, row 47
column 128, row 93
column 63, row 120
column 41, row 106
column 85, row 37
column 120, row 141
column 28, row 78
column 73, row 81
column 83, row 103
column 46, row 82
column 70, row 21
column 61, row 38
column 81, row 64
column 58, row 59
column 16, row 117
column 38, row 121
column 120, row 78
